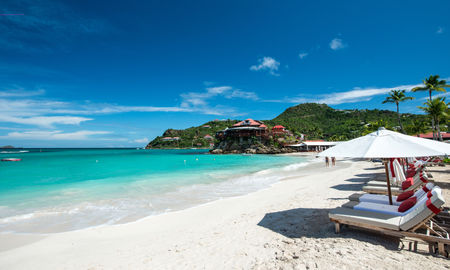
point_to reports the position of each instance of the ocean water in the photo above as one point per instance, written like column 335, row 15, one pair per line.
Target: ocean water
column 55, row 190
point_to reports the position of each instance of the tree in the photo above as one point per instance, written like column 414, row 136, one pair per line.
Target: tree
column 417, row 127
column 397, row 96
column 431, row 84
column 437, row 109
column 375, row 125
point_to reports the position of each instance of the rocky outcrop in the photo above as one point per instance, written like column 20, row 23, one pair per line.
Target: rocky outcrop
column 233, row 147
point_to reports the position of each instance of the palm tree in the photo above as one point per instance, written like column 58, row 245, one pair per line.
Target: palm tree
column 438, row 110
column 432, row 84
column 417, row 127
column 397, row 96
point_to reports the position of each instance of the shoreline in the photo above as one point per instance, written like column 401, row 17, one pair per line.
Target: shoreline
column 301, row 168
column 294, row 169
column 282, row 226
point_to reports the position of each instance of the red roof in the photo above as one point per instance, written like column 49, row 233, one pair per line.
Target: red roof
column 278, row 127
column 249, row 122
column 429, row 135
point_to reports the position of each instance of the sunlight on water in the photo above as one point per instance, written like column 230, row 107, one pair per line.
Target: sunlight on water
column 66, row 189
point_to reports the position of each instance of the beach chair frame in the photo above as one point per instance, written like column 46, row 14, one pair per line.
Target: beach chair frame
column 436, row 235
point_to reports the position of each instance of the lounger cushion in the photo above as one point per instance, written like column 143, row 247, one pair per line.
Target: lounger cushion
column 407, row 183
column 405, row 195
column 407, row 204
column 420, row 213
column 386, row 221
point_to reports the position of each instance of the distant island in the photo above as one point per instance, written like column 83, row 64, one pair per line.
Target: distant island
column 7, row 147
column 307, row 121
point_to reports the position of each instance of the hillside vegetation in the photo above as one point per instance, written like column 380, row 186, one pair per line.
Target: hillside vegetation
column 319, row 121
column 191, row 137
column 316, row 121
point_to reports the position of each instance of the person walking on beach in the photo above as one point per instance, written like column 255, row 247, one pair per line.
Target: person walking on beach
column 333, row 161
column 327, row 162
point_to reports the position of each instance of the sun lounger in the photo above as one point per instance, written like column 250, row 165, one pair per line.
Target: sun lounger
column 406, row 226
column 416, row 177
column 384, row 199
column 382, row 189
column 386, row 208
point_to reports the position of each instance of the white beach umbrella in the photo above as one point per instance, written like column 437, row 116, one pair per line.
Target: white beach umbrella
column 387, row 144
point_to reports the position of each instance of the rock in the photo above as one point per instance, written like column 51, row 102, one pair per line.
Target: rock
column 250, row 151
column 217, row 151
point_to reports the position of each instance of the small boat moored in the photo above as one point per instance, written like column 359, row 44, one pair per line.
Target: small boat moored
column 11, row 159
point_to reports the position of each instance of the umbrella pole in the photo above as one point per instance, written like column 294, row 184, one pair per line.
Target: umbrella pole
column 387, row 180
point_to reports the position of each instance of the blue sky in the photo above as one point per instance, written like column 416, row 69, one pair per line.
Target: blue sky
column 104, row 74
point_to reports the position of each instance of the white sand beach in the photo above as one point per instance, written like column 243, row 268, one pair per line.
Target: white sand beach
column 283, row 227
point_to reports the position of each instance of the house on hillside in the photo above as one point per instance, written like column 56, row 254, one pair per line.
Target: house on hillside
column 208, row 137
column 244, row 130
column 169, row 139
column 279, row 130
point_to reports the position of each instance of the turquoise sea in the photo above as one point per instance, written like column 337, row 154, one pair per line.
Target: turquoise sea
column 54, row 190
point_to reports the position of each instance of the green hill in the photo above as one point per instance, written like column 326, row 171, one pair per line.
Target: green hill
column 191, row 137
column 319, row 121
column 316, row 121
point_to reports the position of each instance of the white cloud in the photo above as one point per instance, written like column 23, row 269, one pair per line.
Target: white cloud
column 143, row 140
column 44, row 121
column 337, row 44
column 18, row 106
column 54, row 135
column 243, row 94
column 267, row 63
column 302, row 55
column 440, row 30
column 199, row 101
column 21, row 93
column 351, row 96
column 437, row 95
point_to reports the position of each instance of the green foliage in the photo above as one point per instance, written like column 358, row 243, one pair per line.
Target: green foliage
column 375, row 125
column 437, row 109
column 192, row 136
column 319, row 121
column 397, row 96
column 418, row 127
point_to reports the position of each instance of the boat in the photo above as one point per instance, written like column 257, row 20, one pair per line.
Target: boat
column 11, row 159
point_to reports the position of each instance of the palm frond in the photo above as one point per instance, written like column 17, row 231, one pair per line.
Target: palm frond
column 419, row 88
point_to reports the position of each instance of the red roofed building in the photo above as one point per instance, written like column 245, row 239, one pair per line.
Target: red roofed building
column 245, row 129
column 429, row 135
column 278, row 129
column 249, row 123
column 208, row 137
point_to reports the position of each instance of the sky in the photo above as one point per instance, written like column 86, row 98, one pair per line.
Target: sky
column 118, row 73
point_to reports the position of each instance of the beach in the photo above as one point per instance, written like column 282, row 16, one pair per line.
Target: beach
column 285, row 226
